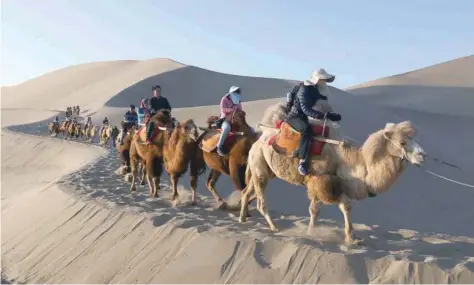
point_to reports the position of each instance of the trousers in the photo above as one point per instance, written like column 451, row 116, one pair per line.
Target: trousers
column 225, row 132
column 305, row 129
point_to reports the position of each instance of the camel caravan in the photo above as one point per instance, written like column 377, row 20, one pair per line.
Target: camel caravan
column 298, row 141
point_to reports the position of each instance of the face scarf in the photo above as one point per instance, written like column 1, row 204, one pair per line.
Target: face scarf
column 323, row 88
column 235, row 98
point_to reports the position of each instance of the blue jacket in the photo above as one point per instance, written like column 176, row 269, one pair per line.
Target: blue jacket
column 130, row 117
column 141, row 115
column 302, row 104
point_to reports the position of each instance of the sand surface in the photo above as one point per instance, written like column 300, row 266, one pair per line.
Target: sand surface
column 67, row 217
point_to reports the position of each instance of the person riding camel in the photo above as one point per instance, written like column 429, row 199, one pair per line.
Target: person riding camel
column 142, row 112
column 88, row 123
column 300, row 106
column 105, row 123
column 130, row 119
column 157, row 103
column 56, row 121
column 230, row 102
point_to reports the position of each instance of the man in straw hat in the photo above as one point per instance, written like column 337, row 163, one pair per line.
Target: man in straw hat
column 300, row 106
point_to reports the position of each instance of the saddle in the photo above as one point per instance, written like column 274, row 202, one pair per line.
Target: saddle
column 208, row 140
column 141, row 133
column 286, row 141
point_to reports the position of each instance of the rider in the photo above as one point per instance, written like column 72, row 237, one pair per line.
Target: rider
column 56, row 121
column 130, row 119
column 78, row 109
column 105, row 123
column 88, row 123
column 74, row 121
column 142, row 112
column 300, row 108
column 157, row 103
column 229, row 103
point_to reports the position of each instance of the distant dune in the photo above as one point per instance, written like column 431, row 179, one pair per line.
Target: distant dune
column 445, row 88
column 68, row 218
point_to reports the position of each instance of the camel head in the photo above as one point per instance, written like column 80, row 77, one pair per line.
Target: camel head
column 187, row 129
column 238, row 118
column 401, row 142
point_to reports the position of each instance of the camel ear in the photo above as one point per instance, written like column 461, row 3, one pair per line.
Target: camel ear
column 388, row 134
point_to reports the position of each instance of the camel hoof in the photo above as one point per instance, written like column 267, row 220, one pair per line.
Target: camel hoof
column 274, row 229
column 242, row 219
column 354, row 241
column 142, row 183
column 222, row 205
column 133, row 189
column 193, row 203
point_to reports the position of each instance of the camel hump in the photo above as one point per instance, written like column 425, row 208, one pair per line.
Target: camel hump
column 286, row 141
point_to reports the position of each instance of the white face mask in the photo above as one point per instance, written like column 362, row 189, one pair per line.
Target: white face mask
column 235, row 98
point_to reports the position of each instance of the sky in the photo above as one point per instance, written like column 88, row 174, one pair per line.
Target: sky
column 357, row 41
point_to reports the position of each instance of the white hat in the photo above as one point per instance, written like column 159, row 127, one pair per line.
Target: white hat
column 320, row 74
column 233, row 89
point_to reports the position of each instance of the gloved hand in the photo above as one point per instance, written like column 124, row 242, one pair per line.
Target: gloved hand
column 288, row 97
column 335, row 117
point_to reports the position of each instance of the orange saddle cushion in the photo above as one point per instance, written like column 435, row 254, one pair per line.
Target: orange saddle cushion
column 287, row 140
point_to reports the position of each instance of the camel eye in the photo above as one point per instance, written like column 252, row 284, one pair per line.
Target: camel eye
column 403, row 143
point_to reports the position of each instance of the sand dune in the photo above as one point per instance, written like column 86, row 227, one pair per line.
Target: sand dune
column 67, row 217
column 446, row 88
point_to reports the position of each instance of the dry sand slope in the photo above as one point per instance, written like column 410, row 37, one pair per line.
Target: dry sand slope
column 443, row 89
column 66, row 217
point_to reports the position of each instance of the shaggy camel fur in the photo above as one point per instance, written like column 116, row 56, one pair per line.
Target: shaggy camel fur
column 150, row 155
column 180, row 149
column 124, row 150
column 235, row 162
column 337, row 176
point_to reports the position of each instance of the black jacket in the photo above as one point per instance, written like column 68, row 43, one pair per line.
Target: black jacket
column 158, row 103
column 302, row 104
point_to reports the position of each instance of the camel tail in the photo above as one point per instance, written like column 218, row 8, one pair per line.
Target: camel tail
column 199, row 162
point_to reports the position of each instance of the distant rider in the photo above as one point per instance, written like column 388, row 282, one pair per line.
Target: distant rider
column 130, row 119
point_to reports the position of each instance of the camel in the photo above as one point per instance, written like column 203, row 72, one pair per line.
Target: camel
column 89, row 132
column 151, row 155
column 73, row 130
column 180, row 149
column 339, row 174
column 64, row 128
column 235, row 162
column 109, row 132
column 54, row 128
column 124, row 150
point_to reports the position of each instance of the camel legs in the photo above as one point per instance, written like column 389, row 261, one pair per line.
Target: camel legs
column 259, row 188
column 142, row 168
column 193, row 182
column 211, row 183
column 314, row 208
column 345, row 207
column 174, row 184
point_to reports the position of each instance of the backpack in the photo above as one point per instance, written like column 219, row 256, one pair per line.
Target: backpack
column 290, row 97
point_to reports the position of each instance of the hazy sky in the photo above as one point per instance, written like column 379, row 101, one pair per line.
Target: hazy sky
column 356, row 40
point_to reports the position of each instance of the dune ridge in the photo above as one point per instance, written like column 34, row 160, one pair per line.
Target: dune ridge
column 69, row 218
